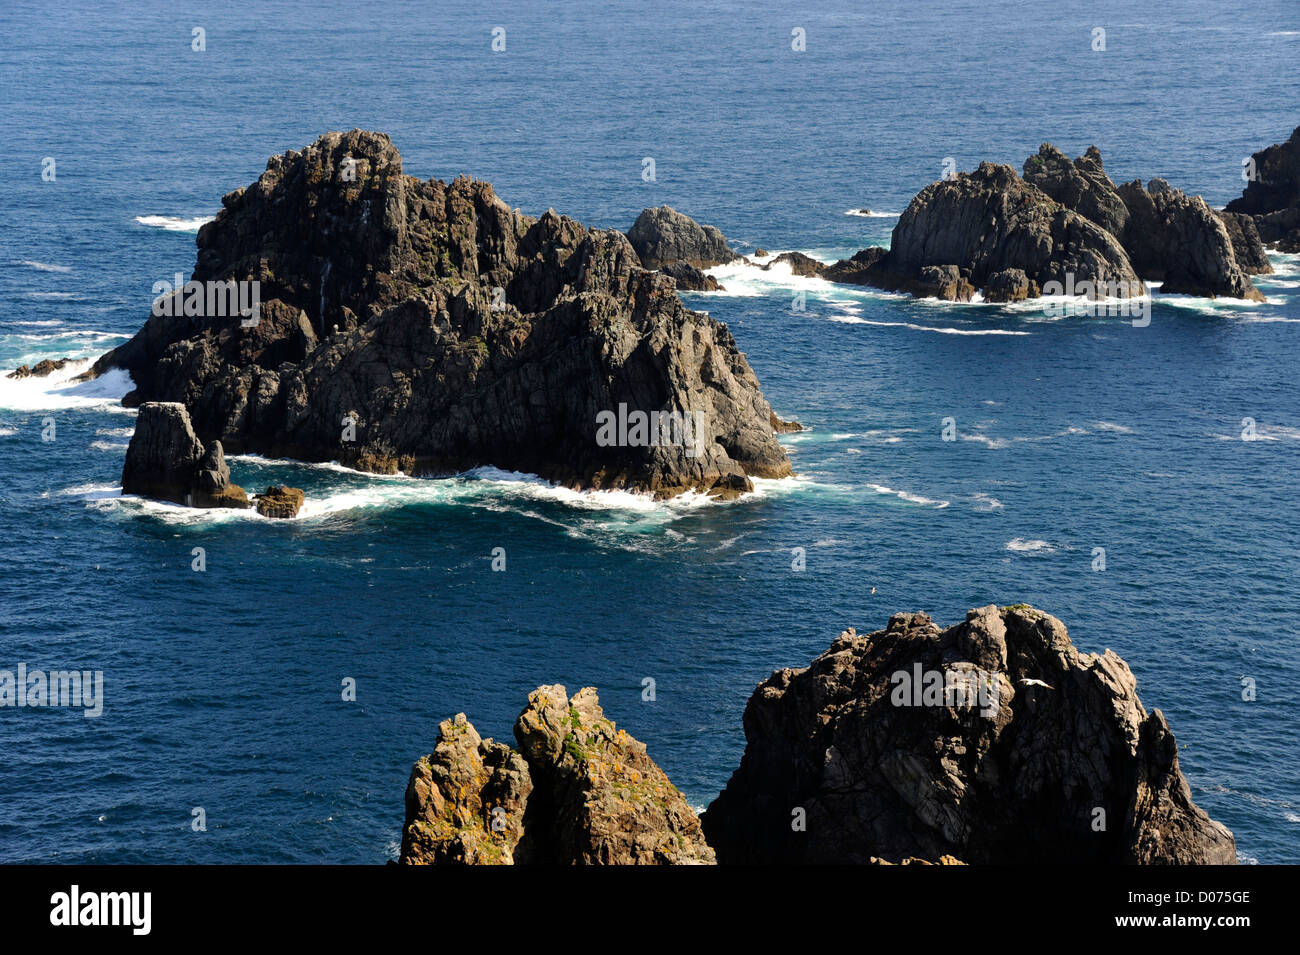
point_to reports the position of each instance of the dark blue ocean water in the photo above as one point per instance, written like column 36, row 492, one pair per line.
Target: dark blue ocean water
column 223, row 688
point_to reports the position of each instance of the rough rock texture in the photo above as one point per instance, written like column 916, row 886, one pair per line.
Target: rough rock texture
column 280, row 502
column 578, row 791
column 689, row 278
column 858, row 269
column 383, row 341
column 800, row 264
column 1015, row 782
column 982, row 223
column 1179, row 240
column 166, row 460
column 456, row 795
column 1010, row 285
column 1277, row 179
column 1273, row 197
column 1247, row 246
column 663, row 236
column 1167, row 235
column 41, row 369
column 1081, row 185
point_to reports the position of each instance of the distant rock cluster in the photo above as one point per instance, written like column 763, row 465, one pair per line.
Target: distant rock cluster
column 857, row 758
column 1007, row 236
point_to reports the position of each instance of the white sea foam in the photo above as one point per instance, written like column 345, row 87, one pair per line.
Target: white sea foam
column 58, row 391
column 942, row 330
column 175, row 223
column 985, row 502
column 909, row 497
column 1030, row 546
column 44, row 323
column 1112, row 426
column 872, row 214
column 112, row 446
column 8, row 432
column 43, row 266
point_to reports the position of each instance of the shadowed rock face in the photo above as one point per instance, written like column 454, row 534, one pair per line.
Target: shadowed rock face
column 378, row 306
column 1017, row 781
column 578, row 791
column 1273, row 196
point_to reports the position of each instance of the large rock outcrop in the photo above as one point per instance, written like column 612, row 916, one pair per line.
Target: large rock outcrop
column 1179, row 240
column 427, row 327
column 1169, row 236
column 166, row 460
column 958, row 233
column 577, row 791
column 1272, row 198
column 663, row 236
column 1035, row 753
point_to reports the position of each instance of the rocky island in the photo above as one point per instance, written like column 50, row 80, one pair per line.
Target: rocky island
column 994, row 741
column 416, row 326
column 1007, row 236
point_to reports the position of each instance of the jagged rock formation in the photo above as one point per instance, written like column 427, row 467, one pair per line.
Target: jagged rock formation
column 426, row 327
column 993, row 230
column 1179, row 240
column 1272, row 198
column 578, row 791
column 800, row 264
column 1012, row 767
column 1169, row 237
column 166, row 460
column 280, row 501
column 42, row 369
column 958, row 233
column 663, row 236
column 1247, row 246
column 688, row 278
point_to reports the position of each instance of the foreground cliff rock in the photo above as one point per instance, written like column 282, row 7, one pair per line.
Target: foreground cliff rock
column 994, row 232
column 1034, row 754
column 1272, row 198
column 577, row 791
column 428, row 328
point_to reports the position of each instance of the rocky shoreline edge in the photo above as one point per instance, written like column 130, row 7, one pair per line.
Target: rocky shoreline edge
column 993, row 741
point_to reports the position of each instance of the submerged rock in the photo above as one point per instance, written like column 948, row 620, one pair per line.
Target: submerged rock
column 430, row 328
column 578, row 791
column 41, row 369
column 663, row 236
column 280, row 502
column 1036, row 754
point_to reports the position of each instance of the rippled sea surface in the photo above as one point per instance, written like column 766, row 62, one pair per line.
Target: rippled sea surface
column 223, row 688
